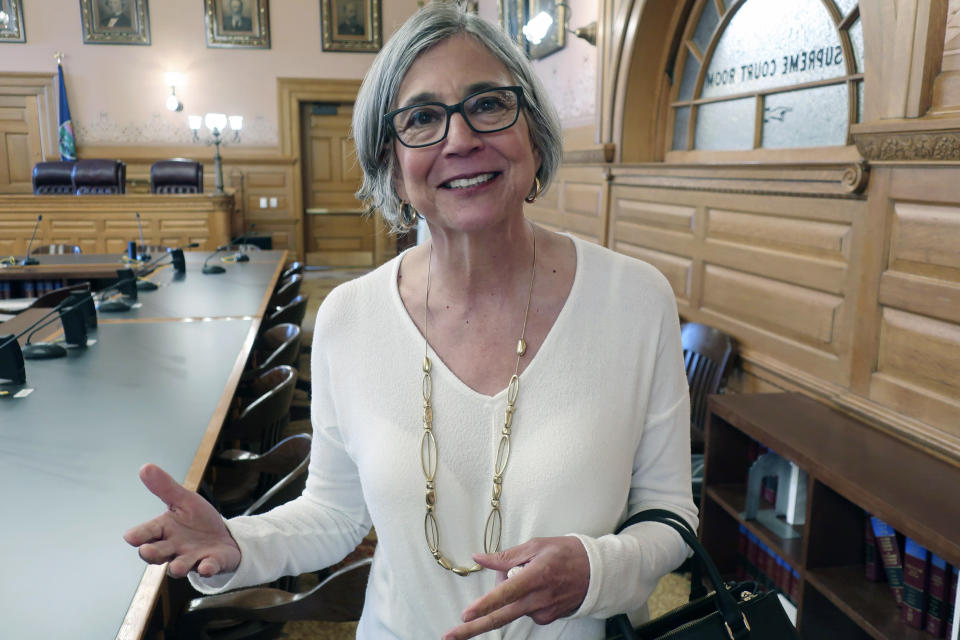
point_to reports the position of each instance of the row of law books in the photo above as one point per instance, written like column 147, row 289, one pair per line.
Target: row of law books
column 923, row 585
column 756, row 561
column 27, row 288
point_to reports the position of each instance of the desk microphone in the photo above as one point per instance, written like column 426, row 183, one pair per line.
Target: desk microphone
column 127, row 286
column 27, row 260
column 215, row 268
column 72, row 313
column 241, row 255
column 179, row 265
column 74, row 330
column 143, row 255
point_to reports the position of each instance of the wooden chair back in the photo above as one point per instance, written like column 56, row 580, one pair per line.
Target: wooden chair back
column 287, row 290
column 338, row 598
column 292, row 312
column 259, row 423
column 708, row 356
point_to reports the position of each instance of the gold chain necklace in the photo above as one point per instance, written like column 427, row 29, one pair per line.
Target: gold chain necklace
column 428, row 442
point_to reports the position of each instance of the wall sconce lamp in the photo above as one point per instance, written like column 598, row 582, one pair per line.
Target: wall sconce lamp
column 539, row 26
column 217, row 124
column 172, row 79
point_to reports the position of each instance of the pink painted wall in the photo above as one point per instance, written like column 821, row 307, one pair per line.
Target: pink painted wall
column 117, row 92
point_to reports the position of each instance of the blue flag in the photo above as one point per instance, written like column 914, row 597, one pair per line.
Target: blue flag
column 68, row 148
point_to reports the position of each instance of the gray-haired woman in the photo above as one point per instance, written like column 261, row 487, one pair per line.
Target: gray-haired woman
column 493, row 402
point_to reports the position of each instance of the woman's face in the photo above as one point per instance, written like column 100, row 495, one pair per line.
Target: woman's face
column 468, row 180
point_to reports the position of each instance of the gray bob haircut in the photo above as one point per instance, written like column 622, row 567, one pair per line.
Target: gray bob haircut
column 434, row 23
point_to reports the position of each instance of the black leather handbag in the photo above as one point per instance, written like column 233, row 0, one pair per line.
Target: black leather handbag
column 729, row 612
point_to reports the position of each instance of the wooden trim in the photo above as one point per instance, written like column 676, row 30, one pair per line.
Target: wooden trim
column 928, row 145
column 836, row 180
column 599, row 155
column 144, row 600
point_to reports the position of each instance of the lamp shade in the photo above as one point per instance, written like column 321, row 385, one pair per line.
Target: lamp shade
column 215, row 121
column 236, row 122
column 194, row 122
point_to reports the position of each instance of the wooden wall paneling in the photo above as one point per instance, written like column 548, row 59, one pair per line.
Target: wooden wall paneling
column 576, row 203
column 105, row 224
column 915, row 363
column 773, row 271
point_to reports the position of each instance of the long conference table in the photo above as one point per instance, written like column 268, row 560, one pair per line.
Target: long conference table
column 154, row 387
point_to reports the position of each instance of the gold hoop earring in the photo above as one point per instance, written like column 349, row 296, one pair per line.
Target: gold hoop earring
column 535, row 193
column 408, row 215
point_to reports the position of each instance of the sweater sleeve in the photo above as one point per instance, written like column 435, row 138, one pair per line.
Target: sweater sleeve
column 320, row 527
column 625, row 568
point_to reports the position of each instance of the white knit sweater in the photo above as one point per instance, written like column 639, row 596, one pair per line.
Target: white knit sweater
column 601, row 431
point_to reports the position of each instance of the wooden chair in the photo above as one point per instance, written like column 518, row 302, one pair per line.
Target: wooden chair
column 295, row 267
column 260, row 415
column 277, row 345
column 292, row 312
column 708, row 356
column 258, row 613
column 55, row 249
column 287, row 289
column 283, row 468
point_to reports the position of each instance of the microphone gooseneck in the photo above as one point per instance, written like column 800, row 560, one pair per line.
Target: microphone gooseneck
column 27, row 260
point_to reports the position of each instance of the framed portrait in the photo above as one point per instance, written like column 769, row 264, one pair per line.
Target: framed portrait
column 351, row 25
column 115, row 21
column 11, row 21
column 556, row 35
column 237, row 24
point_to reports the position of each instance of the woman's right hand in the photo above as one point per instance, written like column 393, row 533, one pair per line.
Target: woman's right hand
column 190, row 534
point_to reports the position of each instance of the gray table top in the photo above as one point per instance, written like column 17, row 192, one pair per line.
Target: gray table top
column 148, row 390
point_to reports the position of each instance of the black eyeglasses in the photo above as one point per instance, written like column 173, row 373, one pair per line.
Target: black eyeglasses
column 422, row 125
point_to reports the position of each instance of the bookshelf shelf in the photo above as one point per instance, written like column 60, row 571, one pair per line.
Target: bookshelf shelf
column 852, row 468
column 866, row 603
column 733, row 497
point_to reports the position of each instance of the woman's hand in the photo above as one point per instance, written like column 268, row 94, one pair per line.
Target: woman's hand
column 189, row 535
column 551, row 585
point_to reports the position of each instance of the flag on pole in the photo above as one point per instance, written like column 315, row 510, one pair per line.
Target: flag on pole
column 68, row 148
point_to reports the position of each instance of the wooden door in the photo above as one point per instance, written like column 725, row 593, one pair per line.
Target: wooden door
column 337, row 232
column 20, row 145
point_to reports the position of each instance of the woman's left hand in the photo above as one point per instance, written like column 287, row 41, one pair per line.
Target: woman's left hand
column 551, row 585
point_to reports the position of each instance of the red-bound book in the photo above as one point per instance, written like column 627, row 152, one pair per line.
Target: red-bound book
column 872, row 567
column 890, row 556
column 951, row 601
column 741, row 571
column 916, row 573
column 936, row 594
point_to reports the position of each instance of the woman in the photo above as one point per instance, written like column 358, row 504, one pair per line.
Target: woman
column 421, row 427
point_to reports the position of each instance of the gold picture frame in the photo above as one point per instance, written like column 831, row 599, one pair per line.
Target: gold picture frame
column 11, row 21
column 237, row 24
column 115, row 22
column 351, row 25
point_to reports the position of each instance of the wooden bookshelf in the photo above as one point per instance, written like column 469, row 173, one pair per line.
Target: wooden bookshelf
column 853, row 468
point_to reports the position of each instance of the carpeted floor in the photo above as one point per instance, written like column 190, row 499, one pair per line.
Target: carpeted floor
column 670, row 593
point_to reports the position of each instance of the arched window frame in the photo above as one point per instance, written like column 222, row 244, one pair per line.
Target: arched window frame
column 726, row 10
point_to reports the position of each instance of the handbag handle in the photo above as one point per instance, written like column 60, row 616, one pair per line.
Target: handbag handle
column 735, row 621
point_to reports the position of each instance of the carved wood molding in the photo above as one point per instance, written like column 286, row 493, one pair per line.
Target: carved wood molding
column 909, row 145
column 598, row 155
column 826, row 180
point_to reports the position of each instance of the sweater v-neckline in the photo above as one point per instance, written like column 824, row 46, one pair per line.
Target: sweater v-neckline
column 413, row 330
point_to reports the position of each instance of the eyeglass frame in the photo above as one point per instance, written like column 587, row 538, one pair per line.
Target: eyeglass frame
column 452, row 109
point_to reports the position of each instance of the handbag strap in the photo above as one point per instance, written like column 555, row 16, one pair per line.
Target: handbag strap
column 726, row 605
column 697, row 588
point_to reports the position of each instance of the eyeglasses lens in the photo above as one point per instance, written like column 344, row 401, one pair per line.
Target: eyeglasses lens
column 425, row 124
